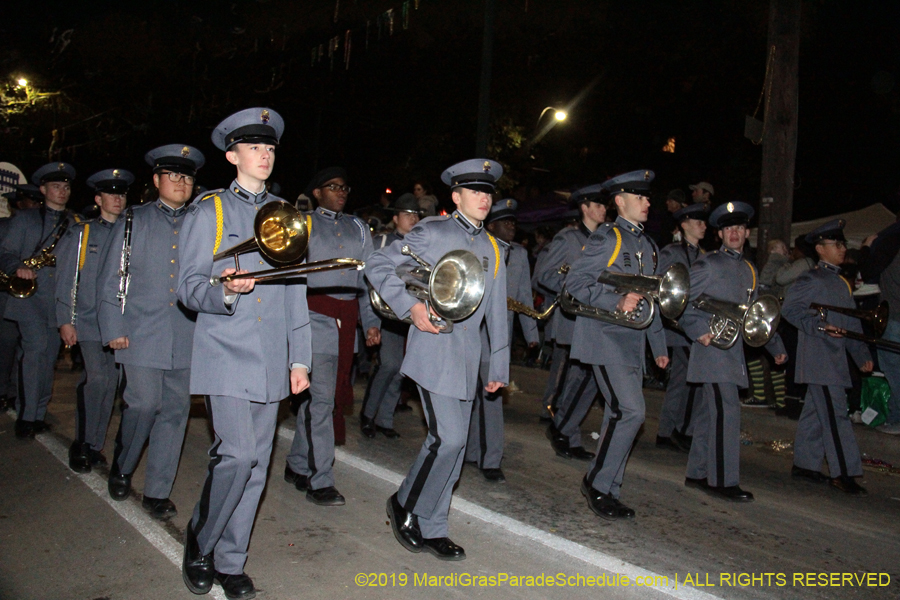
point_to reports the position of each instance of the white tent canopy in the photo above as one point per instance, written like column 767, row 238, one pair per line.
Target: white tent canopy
column 860, row 224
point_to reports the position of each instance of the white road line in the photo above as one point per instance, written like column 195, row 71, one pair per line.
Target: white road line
column 604, row 561
column 152, row 531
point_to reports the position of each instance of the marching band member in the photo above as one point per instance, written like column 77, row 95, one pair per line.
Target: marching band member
column 383, row 392
column 445, row 365
column 337, row 300
column 575, row 388
column 151, row 332
column 681, row 396
column 251, row 349
column 31, row 231
column 725, row 275
column 616, row 352
column 77, row 270
column 824, row 429
column 485, row 442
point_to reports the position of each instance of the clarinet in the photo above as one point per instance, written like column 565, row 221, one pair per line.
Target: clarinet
column 125, row 261
column 73, row 315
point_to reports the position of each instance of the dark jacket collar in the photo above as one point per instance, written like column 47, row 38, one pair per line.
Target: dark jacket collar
column 725, row 250
column 583, row 229
column 466, row 224
column 635, row 230
column 330, row 214
column 248, row 196
column 172, row 212
column 829, row 267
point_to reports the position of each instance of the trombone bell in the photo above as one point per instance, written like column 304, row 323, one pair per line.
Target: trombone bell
column 280, row 234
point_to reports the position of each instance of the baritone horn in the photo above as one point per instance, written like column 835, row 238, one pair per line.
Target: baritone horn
column 281, row 235
column 452, row 289
column 670, row 290
column 755, row 322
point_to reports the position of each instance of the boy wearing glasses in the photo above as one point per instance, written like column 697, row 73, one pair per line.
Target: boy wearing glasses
column 79, row 251
column 150, row 331
column 337, row 301
column 824, row 429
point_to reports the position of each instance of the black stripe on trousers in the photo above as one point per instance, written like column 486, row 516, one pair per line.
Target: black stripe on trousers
column 835, row 436
column 720, row 442
column 422, row 476
column 214, row 460
column 20, row 401
column 80, row 416
column 307, row 427
column 564, row 372
column 578, row 393
column 482, row 430
column 375, row 367
column 689, row 406
column 614, row 417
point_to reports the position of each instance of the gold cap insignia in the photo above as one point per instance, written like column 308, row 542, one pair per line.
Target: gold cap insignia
column 116, row 173
column 729, row 207
column 264, row 117
column 487, row 166
column 646, row 175
column 61, row 167
column 509, row 204
column 185, row 152
column 842, row 223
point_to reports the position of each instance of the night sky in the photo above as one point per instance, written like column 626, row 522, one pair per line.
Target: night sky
column 135, row 75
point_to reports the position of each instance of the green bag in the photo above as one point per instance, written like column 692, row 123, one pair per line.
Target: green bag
column 876, row 392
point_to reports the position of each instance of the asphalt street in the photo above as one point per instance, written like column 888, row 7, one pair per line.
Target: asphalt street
column 61, row 537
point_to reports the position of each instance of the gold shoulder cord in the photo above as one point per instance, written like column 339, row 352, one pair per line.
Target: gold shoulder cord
column 618, row 247
column 496, row 254
column 84, row 246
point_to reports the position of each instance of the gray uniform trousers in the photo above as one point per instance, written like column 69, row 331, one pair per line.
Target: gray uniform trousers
column 9, row 349
column 96, row 394
column 573, row 404
column 485, row 440
column 40, row 346
column 622, row 387
column 157, row 403
column 428, row 486
column 558, row 368
column 239, row 460
column 681, row 397
column 383, row 392
column 824, row 430
column 316, row 460
column 716, row 449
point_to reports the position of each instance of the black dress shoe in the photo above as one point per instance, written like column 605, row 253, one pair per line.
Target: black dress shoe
column 444, row 548
column 580, row 453
column 405, row 525
column 495, row 475
column 236, row 587
column 848, row 485
column 403, row 407
column 97, row 458
column 367, row 426
column 603, row 505
column 159, row 508
column 732, row 493
column 327, row 496
column 683, row 441
column 551, row 431
column 197, row 570
column 545, row 419
column 79, row 457
column 808, row 474
column 696, row 482
column 41, row 426
column 560, row 445
column 119, row 485
column 24, row 429
column 301, row 482
column 668, row 443
column 388, row 432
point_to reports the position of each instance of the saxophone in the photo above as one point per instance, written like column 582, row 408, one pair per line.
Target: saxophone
column 25, row 288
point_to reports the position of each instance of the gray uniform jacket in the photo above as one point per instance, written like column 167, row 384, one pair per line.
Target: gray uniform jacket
column 447, row 363
column 686, row 254
column 244, row 349
column 612, row 247
column 821, row 359
column 338, row 235
column 67, row 260
column 159, row 329
column 383, row 240
column 4, row 229
column 724, row 275
column 30, row 231
column 564, row 249
column 518, row 287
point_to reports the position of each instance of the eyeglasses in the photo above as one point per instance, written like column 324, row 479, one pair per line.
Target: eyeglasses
column 836, row 244
column 178, row 177
column 337, row 188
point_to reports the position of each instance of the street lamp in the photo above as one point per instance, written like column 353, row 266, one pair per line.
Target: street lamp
column 22, row 82
column 559, row 115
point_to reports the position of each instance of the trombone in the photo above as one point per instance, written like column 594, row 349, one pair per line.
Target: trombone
column 878, row 317
column 281, row 235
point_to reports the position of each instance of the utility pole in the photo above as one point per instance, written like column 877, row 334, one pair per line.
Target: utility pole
column 484, row 92
column 779, row 143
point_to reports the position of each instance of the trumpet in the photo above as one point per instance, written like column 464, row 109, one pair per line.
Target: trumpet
column 878, row 316
column 516, row 306
column 25, row 288
column 670, row 290
column 453, row 288
column 755, row 321
column 281, row 235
